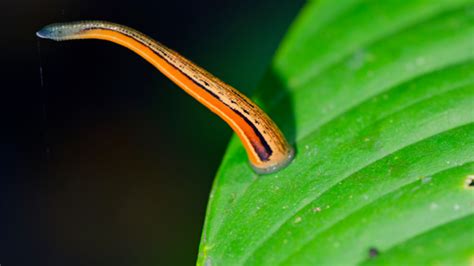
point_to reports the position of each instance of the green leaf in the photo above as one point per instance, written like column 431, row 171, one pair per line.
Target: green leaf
column 378, row 99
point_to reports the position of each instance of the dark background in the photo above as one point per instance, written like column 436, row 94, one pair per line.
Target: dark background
column 108, row 162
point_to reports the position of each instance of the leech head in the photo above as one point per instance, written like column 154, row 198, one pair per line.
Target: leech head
column 70, row 30
column 60, row 32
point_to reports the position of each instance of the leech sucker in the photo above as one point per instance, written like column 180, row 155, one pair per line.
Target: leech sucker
column 267, row 148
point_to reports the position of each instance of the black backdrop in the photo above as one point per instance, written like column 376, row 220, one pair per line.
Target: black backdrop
column 107, row 162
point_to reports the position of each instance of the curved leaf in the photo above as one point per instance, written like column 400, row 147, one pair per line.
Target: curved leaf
column 378, row 99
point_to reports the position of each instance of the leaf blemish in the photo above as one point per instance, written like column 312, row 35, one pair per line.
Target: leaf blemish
column 359, row 58
column 469, row 182
column 426, row 179
column 310, row 151
column 373, row 252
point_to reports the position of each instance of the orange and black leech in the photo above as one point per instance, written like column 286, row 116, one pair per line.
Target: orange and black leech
column 267, row 148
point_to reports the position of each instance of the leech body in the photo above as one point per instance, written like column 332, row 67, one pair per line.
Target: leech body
column 267, row 148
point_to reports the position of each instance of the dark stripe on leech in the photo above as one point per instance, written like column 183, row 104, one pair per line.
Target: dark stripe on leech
column 265, row 153
column 262, row 149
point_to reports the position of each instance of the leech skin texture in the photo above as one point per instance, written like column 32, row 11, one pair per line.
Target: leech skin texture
column 267, row 148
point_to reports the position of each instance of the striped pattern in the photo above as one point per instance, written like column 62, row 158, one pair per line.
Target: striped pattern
column 267, row 148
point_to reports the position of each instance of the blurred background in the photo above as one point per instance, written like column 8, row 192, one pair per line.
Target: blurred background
column 103, row 161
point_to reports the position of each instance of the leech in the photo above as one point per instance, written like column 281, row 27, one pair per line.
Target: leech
column 267, row 148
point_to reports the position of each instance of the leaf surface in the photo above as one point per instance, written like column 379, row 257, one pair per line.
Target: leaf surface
column 378, row 99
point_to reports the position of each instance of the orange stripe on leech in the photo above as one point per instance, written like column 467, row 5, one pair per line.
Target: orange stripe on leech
column 237, row 123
